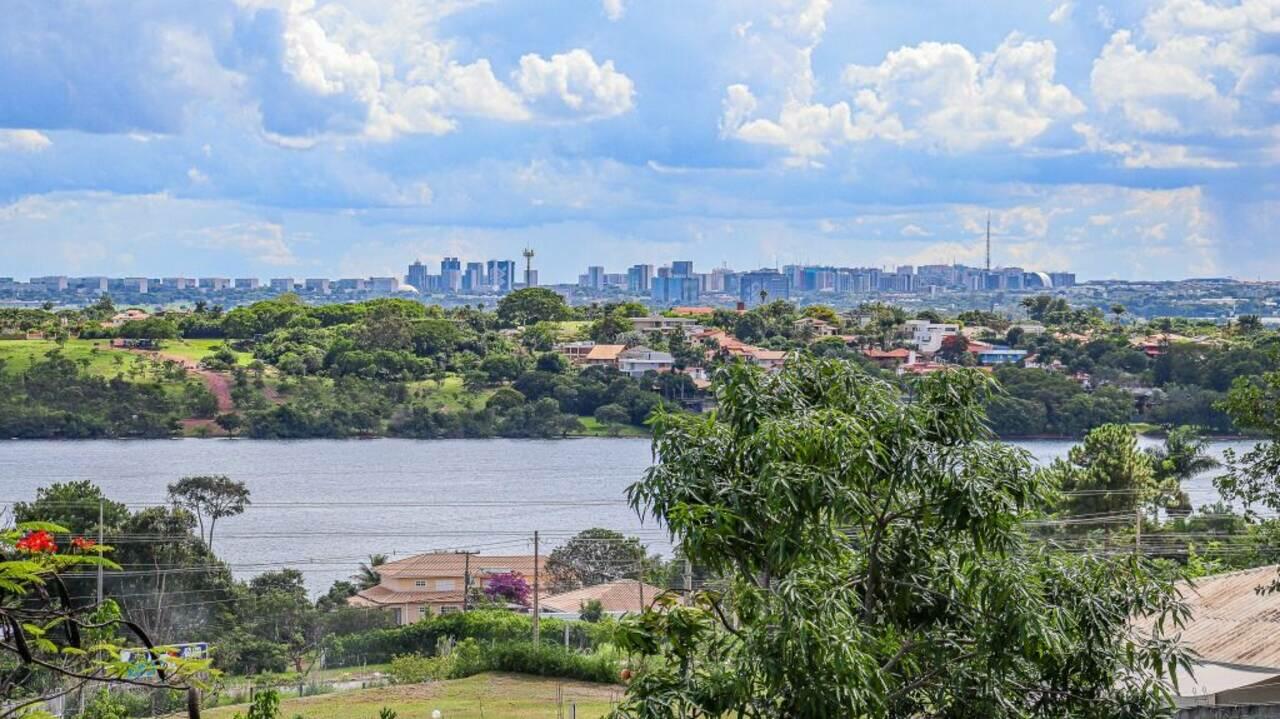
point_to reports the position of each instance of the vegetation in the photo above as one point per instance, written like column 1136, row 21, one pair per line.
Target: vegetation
column 877, row 567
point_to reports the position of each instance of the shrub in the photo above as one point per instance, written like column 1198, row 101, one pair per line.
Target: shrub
column 417, row 669
column 550, row 661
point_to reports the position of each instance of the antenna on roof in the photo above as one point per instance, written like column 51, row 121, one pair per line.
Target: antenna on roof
column 988, row 242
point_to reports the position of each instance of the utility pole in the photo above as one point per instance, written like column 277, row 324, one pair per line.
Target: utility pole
column 640, row 582
column 1137, row 530
column 537, row 589
column 466, row 581
column 100, row 540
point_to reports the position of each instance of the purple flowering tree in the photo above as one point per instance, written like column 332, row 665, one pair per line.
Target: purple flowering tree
column 508, row 587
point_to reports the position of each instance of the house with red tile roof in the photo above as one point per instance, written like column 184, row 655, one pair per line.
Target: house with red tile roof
column 423, row 585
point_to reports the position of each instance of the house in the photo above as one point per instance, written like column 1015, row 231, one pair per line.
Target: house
column 575, row 352
column 890, row 359
column 423, row 585
column 814, row 327
column 928, row 335
column 603, row 355
column 132, row 314
column 989, row 356
column 638, row 360
column 616, row 598
column 659, row 323
column 769, row 359
column 1232, row 630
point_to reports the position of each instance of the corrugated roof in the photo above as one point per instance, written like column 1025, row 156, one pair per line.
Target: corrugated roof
column 451, row 564
column 619, row 596
column 1231, row 622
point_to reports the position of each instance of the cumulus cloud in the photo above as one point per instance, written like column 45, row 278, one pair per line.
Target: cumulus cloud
column 938, row 95
column 259, row 241
column 614, row 9
column 24, row 141
column 573, row 83
column 1062, row 13
column 1194, row 70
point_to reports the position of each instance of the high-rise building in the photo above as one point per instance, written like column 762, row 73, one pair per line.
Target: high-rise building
column 1062, row 279
column 595, row 277
column 89, row 284
column 178, row 283
column 682, row 268
column 775, row 286
column 473, row 279
column 247, row 283
column 351, row 284
column 52, row 283
column 450, row 274
column 417, row 277
column 674, row 290
column 215, row 284
column 384, row 284
column 501, row 275
column 282, row 284
column 638, row 279
column 318, row 285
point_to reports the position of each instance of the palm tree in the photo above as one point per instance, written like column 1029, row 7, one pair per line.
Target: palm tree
column 1182, row 457
column 764, row 294
column 368, row 576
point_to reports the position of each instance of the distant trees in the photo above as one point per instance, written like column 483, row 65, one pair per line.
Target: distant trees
column 595, row 556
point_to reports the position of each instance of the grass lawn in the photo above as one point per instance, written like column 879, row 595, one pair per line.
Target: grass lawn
column 196, row 350
column 494, row 696
column 21, row 354
column 450, row 395
column 595, row 429
column 569, row 329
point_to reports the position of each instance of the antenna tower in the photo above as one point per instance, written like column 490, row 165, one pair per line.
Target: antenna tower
column 988, row 242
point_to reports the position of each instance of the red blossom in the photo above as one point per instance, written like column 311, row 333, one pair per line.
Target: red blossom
column 83, row 544
column 37, row 542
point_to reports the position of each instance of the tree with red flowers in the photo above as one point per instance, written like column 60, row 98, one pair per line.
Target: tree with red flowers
column 509, row 587
column 57, row 644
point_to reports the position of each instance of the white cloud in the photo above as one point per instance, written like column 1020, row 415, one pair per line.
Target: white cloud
column 934, row 94
column 24, row 141
column 196, row 176
column 260, row 241
column 573, row 83
column 915, row 231
column 614, row 9
column 1062, row 13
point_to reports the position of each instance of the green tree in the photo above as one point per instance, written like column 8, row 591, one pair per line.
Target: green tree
column 368, row 575
column 1105, row 473
column 73, row 505
column 1183, row 456
column 612, row 416
column 1253, row 477
column 210, row 497
column 530, row 306
column 876, row 565
column 595, row 556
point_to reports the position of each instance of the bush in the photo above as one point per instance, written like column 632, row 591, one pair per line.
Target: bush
column 550, row 661
column 416, row 669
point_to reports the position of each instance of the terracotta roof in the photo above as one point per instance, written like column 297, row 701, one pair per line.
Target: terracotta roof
column 693, row 310
column 1231, row 623
column 619, row 596
column 452, row 564
column 605, row 353
column 898, row 353
column 380, row 596
column 768, row 355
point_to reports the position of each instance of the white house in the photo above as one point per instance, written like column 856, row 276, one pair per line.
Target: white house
column 638, row 360
column 928, row 335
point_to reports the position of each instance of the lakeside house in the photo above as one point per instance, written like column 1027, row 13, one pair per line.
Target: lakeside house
column 638, row 360
column 424, row 585
column 603, row 355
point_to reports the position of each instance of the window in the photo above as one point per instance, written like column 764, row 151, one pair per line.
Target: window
column 420, row 583
column 448, row 610
column 425, row 610
column 444, row 585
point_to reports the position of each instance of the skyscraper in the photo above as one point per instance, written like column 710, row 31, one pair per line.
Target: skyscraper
column 450, row 274
column 595, row 277
column 501, row 275
column 682, row 268
column 638, row 278
column 473, row 278
column 417, row 277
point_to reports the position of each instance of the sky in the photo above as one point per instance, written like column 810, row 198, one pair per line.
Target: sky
column 305, row 138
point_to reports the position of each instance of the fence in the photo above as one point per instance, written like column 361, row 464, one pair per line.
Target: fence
column 1242, row 711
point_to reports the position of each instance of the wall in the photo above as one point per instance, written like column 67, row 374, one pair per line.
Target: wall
column 1256, row 711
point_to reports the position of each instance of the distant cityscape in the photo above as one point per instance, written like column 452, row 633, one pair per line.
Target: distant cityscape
column 950, row 287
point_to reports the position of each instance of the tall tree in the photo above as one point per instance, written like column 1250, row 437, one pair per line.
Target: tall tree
column 1105, row 473
column 1183, row 456
column 595, row 556
column 368, row 576
column 530, row 306
column 210, row 497
column 877, row 565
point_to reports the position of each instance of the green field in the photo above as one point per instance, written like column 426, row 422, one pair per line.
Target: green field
column 451, row 395
column 21, row 354
column 509, row 696
column 196, row 350
column 595, row 429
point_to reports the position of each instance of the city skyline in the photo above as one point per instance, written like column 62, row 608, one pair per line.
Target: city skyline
column 338, row 137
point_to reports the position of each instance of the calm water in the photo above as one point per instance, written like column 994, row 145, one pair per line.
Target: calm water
column 322, row 506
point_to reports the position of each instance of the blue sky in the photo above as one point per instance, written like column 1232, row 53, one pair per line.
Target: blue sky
column 347, row 137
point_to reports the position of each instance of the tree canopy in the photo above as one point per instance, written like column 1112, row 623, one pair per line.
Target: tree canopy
column 877, row 565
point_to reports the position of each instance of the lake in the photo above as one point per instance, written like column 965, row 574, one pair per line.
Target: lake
column 322, row 506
